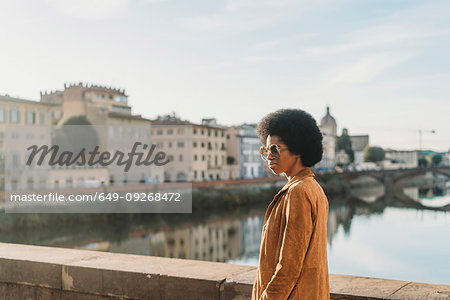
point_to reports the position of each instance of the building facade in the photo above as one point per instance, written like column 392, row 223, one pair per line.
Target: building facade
column 328, row 127
column 243, row 149
column 199, row 150
column 395, row 159
column 359, row 143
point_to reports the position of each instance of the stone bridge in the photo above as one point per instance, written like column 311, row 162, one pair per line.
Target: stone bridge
column 394, row 180
column 394, row 176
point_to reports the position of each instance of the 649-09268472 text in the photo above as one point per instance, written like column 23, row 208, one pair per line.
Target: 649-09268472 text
column 97, row 196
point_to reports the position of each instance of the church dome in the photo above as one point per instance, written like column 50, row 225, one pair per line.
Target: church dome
column 328, row 120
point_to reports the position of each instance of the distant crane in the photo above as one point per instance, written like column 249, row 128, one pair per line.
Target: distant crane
column 420, row 136
column 419, row 131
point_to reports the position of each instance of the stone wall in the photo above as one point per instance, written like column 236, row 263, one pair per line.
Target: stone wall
column 34, row 272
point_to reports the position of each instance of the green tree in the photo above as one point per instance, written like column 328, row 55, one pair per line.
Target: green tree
column 423, row 162
column 373, row 154
column 230, row 160
column 436, row 159
column 344, row 143
column 77, row 120
column 75, row 134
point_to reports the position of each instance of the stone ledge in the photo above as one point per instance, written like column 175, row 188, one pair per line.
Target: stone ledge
column 33, row 270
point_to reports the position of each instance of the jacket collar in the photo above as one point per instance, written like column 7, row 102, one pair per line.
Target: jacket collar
column 306, row 172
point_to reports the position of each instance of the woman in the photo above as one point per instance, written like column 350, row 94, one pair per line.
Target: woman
column 293, row 256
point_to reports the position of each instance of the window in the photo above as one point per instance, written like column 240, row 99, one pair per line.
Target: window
column 203, row 157
column 170, row 157
column 15, row 160
column 120, row 98
column 195, row 157
column 30, row 117
column 180, row 157
column 15, row 115
column 203, row 145
column 170, row 144
column 169, row 131
column 195, row 144
column 159, row 132
column 180, row 144
column 69, row 183
column 195, row 130
column 41, row 118
column 2, row 115
column 195, row 176
column 215, row 133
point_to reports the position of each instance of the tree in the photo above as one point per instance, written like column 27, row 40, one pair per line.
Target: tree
column 423, row 162
column 344, row 143
column 73, row 137
column 373, row 154
column 230, row 160
column 436, row 159
column 77, row 120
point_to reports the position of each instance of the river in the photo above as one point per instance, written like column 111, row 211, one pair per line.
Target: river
column 368, row 235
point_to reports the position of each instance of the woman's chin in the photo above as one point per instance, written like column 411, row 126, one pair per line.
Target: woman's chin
column 276, row 171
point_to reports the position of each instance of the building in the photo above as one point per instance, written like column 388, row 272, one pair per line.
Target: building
column 395, row 159
column 91, row 101
column 328, row 127
column 198, row 149
column 24, row 119
column 243, row 151
column 446, row 159
column 359, row 143
column 107, row 106
column 103, row 106
column 174, row 136
column 15, row 111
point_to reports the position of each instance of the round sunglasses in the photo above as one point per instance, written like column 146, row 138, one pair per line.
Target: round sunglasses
column 273, row 149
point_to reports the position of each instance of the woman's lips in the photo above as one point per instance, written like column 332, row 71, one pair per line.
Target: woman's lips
column 272, row 164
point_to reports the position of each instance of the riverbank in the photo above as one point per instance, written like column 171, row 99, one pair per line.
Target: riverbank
column 206, row 199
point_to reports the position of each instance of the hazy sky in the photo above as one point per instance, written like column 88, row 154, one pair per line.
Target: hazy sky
column 383, row 67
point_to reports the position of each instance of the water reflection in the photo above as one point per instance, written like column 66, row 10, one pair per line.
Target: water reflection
column 366, row 237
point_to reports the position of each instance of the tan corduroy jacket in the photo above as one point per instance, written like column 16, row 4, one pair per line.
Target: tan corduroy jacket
column 293, row 255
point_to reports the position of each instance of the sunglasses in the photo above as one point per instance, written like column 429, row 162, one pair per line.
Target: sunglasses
column 273, row 149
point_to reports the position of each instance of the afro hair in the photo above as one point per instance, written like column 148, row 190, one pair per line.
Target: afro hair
column 298, row 130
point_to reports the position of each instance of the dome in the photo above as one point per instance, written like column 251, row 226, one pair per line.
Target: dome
column 328, row 120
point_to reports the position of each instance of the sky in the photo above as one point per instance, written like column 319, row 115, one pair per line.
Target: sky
column 382, row 66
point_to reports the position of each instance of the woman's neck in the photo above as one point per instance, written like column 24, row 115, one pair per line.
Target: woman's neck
column 297, row 168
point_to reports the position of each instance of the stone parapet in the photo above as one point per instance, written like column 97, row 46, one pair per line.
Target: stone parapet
column 34, row 272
